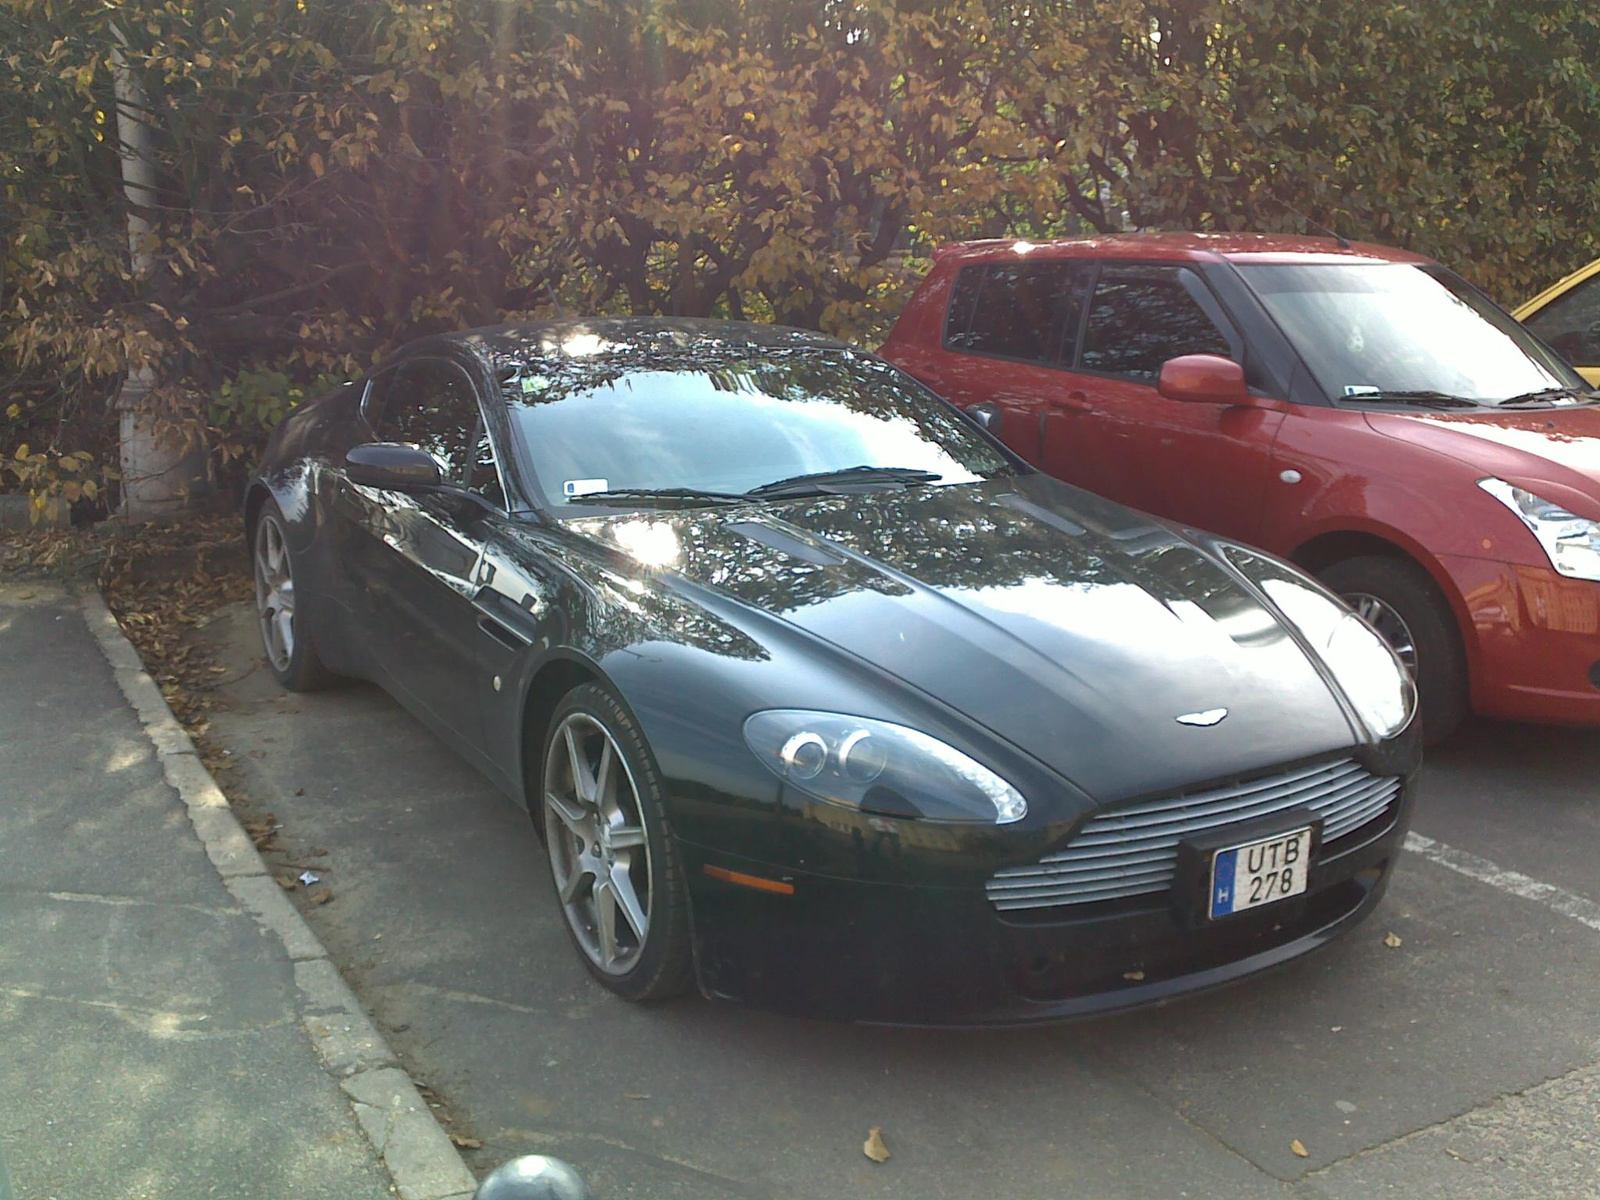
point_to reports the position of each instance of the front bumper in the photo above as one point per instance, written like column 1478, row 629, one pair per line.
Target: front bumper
column 915, row 955
column 1534, row 639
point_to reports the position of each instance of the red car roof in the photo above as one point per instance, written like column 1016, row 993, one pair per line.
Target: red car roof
column 1182, row 247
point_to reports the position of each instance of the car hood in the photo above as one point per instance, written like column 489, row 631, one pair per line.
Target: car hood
column 1533, row 446
column 1075, row 629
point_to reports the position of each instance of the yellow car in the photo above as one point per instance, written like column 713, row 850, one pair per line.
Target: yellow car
column 1567, row 318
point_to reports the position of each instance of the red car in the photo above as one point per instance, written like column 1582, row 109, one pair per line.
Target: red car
column 1360, row 411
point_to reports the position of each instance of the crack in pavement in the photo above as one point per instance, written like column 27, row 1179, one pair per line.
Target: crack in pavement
column 429, row 989
column 155, row 1022
column 208, row 910
column 1500, row 1101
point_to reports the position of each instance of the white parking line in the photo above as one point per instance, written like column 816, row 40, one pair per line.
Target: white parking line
column 1585, row 912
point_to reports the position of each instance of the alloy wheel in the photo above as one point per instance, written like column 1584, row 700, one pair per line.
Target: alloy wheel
column 274, row 592
column 1391, row 626
column 599, row 848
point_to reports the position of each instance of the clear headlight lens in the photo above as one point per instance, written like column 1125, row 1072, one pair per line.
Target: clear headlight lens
column 879, row 767
column 1365, row 668
column 1571, row 542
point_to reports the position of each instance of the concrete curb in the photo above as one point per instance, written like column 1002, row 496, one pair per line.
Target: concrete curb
column 417, row 1153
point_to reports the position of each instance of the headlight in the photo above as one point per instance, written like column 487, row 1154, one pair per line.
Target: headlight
column 1571, row 542
column 877, row 767
column 1374, row 681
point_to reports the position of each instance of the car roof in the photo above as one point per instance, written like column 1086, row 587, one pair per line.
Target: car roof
column 1181, row 247
column 640, row 339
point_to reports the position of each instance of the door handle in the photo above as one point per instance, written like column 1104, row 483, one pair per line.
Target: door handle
column 1077, row 402
column 510, row 638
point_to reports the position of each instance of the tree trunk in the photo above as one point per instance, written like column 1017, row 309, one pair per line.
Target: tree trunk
column 157, row 476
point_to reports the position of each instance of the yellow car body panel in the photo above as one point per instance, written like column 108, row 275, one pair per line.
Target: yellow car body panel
column 1589, row 370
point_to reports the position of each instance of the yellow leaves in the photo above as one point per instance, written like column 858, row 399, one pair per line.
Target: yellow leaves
column 318, row 167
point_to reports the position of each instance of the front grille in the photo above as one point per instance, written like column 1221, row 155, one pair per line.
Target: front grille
column 1134, row 850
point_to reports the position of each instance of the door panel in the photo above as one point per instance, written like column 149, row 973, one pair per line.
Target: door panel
column 1112, row 432
column 415, row 558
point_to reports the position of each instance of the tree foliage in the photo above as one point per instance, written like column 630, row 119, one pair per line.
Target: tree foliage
column 335, row 176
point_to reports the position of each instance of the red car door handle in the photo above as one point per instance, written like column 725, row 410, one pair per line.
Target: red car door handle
column 1077, row 402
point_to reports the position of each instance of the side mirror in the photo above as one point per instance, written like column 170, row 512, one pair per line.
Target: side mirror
column 985, row 416
column 1203, row 379
column 393, row 466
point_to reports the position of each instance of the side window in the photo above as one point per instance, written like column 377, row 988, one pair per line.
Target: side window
column 963, row 296
column 1570, row 324
column 1019, row 310
column 430, row 403
column 1141, row 317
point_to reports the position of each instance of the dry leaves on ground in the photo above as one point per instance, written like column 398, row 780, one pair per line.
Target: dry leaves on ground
column 1392, row 940
column 873, row 1147
column 1299, row 1148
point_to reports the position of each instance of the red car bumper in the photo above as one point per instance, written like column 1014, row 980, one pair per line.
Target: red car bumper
column 1533, row 638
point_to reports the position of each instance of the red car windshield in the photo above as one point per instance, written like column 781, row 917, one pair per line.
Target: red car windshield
column 1372, row 328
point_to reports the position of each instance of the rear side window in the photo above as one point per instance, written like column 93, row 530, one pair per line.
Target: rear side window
column 1142, row 316
column 1012, row 310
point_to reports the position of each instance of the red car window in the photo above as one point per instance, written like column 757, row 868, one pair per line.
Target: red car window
column 1141, row 317
column 1013, row 310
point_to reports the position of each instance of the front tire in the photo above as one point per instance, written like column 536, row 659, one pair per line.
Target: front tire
column 281, row 609
column 1401, row 602
column 613, row 863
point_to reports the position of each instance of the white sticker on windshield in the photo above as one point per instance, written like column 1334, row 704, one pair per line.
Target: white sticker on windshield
column 1360, row 389
column 583, row 487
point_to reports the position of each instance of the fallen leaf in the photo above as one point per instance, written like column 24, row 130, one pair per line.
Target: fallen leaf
column 873, row 1147
column 466, row 1143
column 322, row 897
column 636, row 1095
column 286, row 883
column 1392, row 940
column 1133, row 976
column 1299, row 1148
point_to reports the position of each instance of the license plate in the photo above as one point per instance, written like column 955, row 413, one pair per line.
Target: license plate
column 1258, row 873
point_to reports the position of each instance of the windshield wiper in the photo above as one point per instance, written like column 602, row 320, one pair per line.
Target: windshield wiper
column 659, row 497
column 1546, row 397
column 1422, row 399
column 822, row 483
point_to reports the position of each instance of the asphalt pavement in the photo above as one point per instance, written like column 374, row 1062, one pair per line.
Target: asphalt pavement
column 1461, row 1062
column 151, row 1040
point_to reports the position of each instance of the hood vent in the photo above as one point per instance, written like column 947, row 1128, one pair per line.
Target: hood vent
column 787, row 543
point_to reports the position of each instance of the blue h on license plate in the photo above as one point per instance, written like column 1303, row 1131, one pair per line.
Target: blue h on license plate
column 1260, row 872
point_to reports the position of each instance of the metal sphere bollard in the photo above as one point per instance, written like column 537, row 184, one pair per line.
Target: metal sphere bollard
column 534, row 1177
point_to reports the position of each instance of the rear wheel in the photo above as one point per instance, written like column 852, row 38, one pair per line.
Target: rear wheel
column 615, row 868
column 1398, row 599
column 280, row 608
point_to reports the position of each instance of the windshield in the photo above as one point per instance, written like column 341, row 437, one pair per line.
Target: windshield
column 1367, row 328
column 727, row 423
